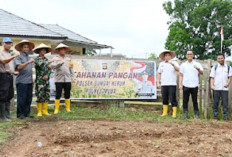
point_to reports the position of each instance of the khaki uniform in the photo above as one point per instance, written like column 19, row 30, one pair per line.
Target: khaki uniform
column 6, row 85
column 9, row 67
column 63, row 72
column 63, row 76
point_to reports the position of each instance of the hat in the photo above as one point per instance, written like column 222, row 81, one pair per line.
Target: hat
column 61, row 45
column 42, row 46
column 6, row 40
column 18, row 46
column 172, row 53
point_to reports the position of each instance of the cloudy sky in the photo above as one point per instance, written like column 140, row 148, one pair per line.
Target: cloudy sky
column 134, row 28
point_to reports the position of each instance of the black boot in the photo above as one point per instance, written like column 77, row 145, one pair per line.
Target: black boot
column 3, row 112
column 7, row 114
column 185, row 114
column 225, row 117
column 215, row 116
column 196, row 114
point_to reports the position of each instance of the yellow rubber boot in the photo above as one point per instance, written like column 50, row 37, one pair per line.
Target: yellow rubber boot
column 165, row 110
column 45, row 109
column 39, row 109
column 57, row 106
column 67, row 104
column 174, row 112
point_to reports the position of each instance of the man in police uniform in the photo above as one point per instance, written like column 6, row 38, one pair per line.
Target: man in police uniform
column 145, row 89
column 6, row 79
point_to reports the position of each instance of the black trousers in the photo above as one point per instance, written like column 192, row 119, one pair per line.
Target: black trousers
column 63, row 85
column 6, row 93
column 169, row 93
column 223, row 95
column 24, row 99
column 6, row 87
column 186, row 93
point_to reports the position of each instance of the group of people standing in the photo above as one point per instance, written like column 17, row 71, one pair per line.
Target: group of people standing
column 189, row 71
column 20, row 64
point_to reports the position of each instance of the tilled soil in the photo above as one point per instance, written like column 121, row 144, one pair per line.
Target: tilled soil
column 74, row 138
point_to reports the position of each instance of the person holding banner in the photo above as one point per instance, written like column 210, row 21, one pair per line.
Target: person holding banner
column 24, row 81
column 64, row 75
column 220, row 79
column 167, row 81
column 188, row 81
column 6, row 79
column 43, row 71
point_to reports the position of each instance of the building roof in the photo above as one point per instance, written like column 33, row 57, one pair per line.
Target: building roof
column 13, row 25
column 74, row 38
column 66, row 32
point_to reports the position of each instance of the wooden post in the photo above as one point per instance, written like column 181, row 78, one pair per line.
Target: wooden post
column 230, row 96
column 178, row 91
column 207, row 88
column 200, row 91
column 206, row 94
column 121, row 104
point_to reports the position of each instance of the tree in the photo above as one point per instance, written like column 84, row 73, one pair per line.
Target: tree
column 90, row 52
column 153, row 56
column 196, row 25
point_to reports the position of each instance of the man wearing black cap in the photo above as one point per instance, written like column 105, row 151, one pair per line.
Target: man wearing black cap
column 6, row 79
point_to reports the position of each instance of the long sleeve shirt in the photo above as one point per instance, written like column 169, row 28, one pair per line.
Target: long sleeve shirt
column 63, row 72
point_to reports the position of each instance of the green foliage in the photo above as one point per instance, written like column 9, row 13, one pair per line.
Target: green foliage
column 196, row 25
column 230, row 64
column 153, row 56
column 90, row 52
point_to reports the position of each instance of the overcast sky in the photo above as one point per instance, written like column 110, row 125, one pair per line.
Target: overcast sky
column 134, row 28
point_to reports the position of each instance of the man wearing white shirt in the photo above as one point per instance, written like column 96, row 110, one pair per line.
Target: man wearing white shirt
column 220, row 81
column 188, row 81
column 167, row 81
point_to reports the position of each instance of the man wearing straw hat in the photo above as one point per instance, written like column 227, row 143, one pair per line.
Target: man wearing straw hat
column 63, row 75
column 6, row 79
column 24, row 81
column 167, row 81
column 189, row 80
column 43, row 71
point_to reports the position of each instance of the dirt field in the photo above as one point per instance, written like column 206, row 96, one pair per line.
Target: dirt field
column 119, row 138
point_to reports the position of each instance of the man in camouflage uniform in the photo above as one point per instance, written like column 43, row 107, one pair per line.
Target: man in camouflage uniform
column 43, row 71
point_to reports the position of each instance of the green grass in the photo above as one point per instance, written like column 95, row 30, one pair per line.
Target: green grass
column 113, row 112
column 4, row 134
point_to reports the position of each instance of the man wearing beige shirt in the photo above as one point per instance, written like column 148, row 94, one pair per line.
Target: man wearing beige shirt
column 6, row 79
column 64, row 75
